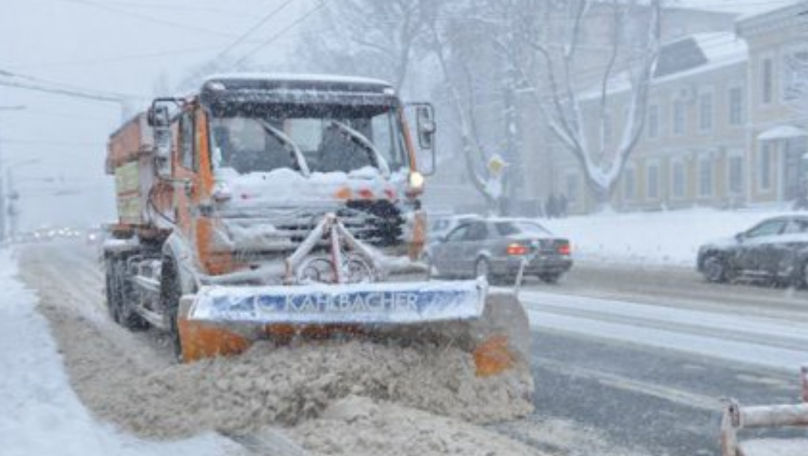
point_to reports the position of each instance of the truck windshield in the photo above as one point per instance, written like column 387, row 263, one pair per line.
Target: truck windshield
column 329, row 139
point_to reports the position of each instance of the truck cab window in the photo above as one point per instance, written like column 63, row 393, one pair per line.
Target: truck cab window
column 187, row 159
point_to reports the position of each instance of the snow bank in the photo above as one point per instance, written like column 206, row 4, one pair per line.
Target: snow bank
column 654, row 238
column 39, row 412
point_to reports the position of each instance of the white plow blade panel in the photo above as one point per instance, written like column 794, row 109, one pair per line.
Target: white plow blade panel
column 367, row 303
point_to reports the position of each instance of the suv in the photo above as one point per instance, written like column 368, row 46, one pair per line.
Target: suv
column 774, row 249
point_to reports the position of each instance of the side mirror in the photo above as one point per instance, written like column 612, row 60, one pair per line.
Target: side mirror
column 425, row 120
column 425, row 128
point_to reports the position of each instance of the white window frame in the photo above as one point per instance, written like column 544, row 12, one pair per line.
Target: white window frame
column 761, row 74
column 630, row 167
column 658, row 111
column 771, row 151
column 708, row 156
column 648, row 165
column 673, row 162
column 742, row 113
column 674, row 100
column 732, row 154
column 711, row 93
column 783, row 55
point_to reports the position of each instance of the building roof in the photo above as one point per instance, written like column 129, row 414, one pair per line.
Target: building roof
column 684, row 57
column 735, row 7
column 782, row 132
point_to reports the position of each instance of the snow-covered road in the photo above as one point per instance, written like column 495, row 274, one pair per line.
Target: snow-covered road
column 39, row 412
column 774, row 343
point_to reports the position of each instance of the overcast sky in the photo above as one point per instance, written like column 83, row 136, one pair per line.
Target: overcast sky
column 56, row 146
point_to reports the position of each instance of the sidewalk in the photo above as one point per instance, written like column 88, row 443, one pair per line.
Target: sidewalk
column 39, row 412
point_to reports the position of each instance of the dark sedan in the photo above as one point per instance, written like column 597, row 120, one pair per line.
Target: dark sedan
column 496, row 247
column 775, row 249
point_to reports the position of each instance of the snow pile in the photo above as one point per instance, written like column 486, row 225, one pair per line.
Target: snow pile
column 359, row 426
column 656, row 238
column 39, row 413
column 271, row 385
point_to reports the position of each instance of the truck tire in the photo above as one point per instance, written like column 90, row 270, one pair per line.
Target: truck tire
column 170, row 293
column 111, row 288
column 120, row 296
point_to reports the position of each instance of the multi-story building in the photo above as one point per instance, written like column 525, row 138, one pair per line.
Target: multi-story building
column 692, row 149
column 777, row 128
column 725, row 125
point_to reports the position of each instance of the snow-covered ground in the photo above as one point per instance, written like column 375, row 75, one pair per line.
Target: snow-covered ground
column 39, row 412
column 654, row 238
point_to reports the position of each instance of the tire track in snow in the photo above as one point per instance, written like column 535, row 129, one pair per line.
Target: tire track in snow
column 775, row 344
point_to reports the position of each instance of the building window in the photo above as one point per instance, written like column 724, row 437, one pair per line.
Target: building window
column 765, row 166
column 678, row 179
column 705, row 111
column 629, row 183
column 572, row 188
column 653, row 121
column 735, row 106
column 795, row 75
column 653, row 181
column 706, row 176
column 766, row 76
column 678, row 116
column 735, row 177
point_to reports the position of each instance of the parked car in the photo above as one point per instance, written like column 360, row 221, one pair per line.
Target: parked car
column 774, row 249
column 495, row 248
column 440, row 226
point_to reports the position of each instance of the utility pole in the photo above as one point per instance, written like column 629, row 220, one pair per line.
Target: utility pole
column 2, row 193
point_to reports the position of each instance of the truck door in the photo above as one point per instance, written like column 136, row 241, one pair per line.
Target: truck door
column 185, row 172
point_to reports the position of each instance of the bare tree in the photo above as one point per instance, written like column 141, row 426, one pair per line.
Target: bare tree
column 602, row 163
column 368, row 37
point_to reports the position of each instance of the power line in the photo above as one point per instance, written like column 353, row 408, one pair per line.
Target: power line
column 148, row 18
column 65, row 86
column 255, row 27
column 45, row 142
column 274, row 37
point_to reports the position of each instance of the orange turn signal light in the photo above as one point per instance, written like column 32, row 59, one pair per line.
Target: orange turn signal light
column 343, row 193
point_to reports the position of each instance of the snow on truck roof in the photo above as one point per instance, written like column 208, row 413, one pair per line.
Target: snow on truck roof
column 301, row 78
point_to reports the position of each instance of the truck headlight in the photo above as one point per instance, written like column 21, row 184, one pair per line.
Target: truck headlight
column 416, row 181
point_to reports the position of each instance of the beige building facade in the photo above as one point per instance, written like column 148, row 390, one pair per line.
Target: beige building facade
column 725, row 129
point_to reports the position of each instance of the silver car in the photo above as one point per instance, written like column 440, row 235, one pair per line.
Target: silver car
column 495, row 248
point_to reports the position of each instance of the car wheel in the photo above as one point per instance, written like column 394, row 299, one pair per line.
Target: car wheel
column 715, row 269
column 483, row 268
column 801, row 276
column 550, row 277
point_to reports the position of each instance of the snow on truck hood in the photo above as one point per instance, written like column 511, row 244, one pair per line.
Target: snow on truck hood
column 285, row 185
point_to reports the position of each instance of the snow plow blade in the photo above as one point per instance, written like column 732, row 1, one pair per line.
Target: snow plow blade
column 225, row 320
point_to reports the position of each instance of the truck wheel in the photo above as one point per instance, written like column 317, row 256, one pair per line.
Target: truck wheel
column 111, row 288
column 170, row 294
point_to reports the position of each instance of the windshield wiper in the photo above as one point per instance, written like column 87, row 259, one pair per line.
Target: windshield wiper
column 287, row 141
column 363, row 141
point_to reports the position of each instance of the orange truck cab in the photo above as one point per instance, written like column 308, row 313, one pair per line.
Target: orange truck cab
column 221, row 187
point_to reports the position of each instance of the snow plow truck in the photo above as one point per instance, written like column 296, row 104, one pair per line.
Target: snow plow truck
column 284, row 206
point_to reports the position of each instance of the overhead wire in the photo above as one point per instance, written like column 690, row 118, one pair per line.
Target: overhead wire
column 255, row 27
column 280, row 33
